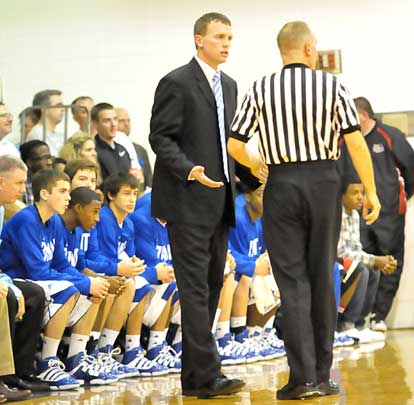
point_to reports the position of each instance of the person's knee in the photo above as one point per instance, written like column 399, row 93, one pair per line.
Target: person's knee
column 12, row 303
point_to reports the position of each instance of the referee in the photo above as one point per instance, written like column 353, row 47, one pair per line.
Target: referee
column 299, row 114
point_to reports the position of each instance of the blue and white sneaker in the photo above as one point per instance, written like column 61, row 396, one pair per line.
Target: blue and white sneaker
column 87, row 369
column 166, row 356
column 178, row 347
column 147, row 368
column 51, row 371
column 267, row 352
column 342, row 339
column 230, row 351
column 105, row 358
column 270, row 336
column 252, row 351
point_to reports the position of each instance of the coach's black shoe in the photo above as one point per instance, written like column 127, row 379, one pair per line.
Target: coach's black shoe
column 31, row 383
column 300, row 391
column 329, row 388
column 221, row 386
column 13, row 394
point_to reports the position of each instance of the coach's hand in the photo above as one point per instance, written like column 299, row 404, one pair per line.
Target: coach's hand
column 99, row 287
column 372, row 208
column 197, row 173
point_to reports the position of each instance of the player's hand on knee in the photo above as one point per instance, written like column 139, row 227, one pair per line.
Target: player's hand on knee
column 131, row 267
column 165, row 273
column 99, row 287
column 116, row 284
column 262, row 267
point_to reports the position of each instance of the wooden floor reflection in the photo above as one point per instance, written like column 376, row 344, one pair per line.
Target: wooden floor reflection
column 370, row 374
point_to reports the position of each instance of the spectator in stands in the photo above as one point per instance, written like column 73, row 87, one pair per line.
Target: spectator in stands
column 81, row 114
column 6, row 123
column 79, row 146
column 36, row 155
column 112, row 157
column 124, row 125
column 52, row 117
column 59, row 164
column 31, row 118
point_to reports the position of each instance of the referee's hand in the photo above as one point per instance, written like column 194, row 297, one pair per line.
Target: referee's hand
column 372, row 208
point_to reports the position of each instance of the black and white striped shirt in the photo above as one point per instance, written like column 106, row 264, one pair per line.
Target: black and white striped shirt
column 298, row 114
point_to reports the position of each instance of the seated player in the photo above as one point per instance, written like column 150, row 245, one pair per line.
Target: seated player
column 152, row 246
column 116, row 234
column 32, row 249
column 81, row 216
column 250, row 327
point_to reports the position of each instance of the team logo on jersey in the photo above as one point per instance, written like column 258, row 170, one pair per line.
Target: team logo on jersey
column 378, row 148
column 122, row 153
column 48, row 248
column 163, row 253
column 72, row 256
column 84, row 243
column 253, row 247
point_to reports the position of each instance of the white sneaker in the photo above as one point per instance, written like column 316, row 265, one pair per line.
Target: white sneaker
column 366, row 335
column 378, row 326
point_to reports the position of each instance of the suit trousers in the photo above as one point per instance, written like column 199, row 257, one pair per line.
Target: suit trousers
column 199, row 256
column 26, row 332
column 386, row 237
column 301, row 224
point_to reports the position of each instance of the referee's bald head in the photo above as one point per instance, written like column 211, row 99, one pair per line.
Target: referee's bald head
column 293, row 37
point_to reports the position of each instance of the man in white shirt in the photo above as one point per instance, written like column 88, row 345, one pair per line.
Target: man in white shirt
column 6, row 123
column 53, row 116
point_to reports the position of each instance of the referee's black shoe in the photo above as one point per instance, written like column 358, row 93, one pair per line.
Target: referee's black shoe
column 300, row 391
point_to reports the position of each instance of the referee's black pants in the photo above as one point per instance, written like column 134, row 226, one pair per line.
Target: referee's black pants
column 301, row 224
column 385, row 237
column 25, row 333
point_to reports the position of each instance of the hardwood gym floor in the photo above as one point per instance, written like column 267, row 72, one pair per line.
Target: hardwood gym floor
column 370, row 374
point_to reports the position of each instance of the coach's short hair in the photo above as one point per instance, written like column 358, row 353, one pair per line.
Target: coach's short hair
column 9, row 163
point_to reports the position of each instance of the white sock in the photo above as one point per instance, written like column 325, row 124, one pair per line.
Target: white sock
column 258, row 329
column 238, row 321
column 50, row 347
column 223, row 328
column 108, row 337
column 95, row 335
column 269, row 324
column 77, row 344
column 156, row 338
column 132, row 342
column 178, row 336
column 251, row 330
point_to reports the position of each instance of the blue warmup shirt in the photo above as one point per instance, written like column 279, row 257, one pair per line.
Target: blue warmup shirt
column 94, row 259
column 113, row 239
column 33, row 250
column 246, row 239
column 151, row 239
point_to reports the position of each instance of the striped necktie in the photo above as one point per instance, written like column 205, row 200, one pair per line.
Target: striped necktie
column 218, row 94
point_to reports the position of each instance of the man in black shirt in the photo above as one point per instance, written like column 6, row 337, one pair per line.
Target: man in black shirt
column 112, row 157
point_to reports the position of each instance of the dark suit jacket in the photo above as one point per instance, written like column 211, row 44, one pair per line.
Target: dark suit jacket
column 184, row 133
